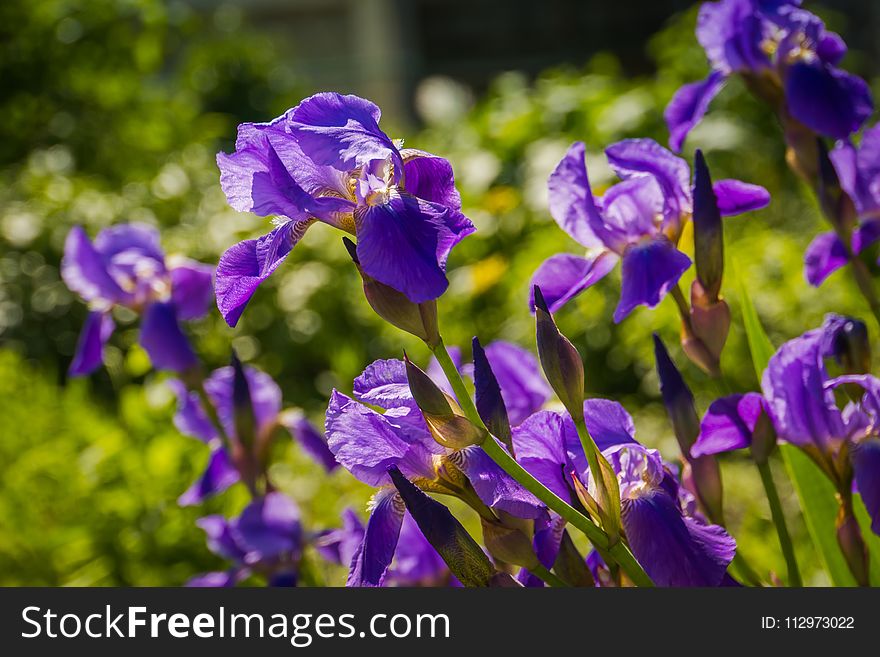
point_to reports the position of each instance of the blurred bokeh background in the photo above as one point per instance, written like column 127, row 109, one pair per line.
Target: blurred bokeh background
column 113, row 111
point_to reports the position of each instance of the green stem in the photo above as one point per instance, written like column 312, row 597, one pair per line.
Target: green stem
column 794, row 575
column 743, row 571
column 619, row 552
column 548, row 577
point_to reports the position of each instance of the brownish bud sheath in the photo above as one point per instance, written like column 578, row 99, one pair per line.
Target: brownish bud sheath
column 560, row 360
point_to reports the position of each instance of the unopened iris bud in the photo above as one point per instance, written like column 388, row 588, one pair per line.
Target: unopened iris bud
column 704, row 339
column 708, row 231
column 487, row 393
column 509, row 544
column 418, row 319
column 444, row 418
column 560, row 360
column 462, row 554
column 763, row 439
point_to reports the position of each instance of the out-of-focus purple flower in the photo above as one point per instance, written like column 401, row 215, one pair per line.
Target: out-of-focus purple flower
column 327, row 160
column 367, row 443
column 125, row 266
column 786, row 55
column 638, row 222
column 267, row 538
column 799, row 398
column 226, row 458
column 858, row 171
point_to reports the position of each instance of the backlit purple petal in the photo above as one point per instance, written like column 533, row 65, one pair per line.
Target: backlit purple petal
column 689, row 105
column 631, row 208
column 736, row 197
column 545, row 445
column 415, row 560
column 828, row 100
column 728, row 424
column 135, row 237
column 608, row 423
column 523, row 387
column 85, row 272
column 405, row 242
column 192, row 289
column 571, row 199
column 164, row 340
column 649, row 270
column 309, row 439
column 563, row 276
column 731, row 34
column 859, row 170
column 268, row 527
column 219, row 475
column 190, row 418
column 383, row 383
column 824, row 256
column 372, row 559
column 247, row 264
column 430, row 177
column 89, row 353
column 495, row 487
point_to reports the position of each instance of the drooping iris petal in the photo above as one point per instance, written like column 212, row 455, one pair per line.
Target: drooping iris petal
column 341, row 131
column 728, row 424
column 523, row 387
column 546, row 445
column 865, row 457
column 164, row 340
column 219, row 475
column 372, row 559
column 495, row 487
column 649, row 270
column 415, row 560
column 571, row 199
column 190, row 418
column 383, row 383
column 265, row 396
column 431, row 178
column 824, row 256
column 89, row 353
column 731, row 34
column 85, row 272
column 688, row 107
column 192, row 288
column 405, row 242
column 247, row 264
column 645, row 157
column 268, row 527
column 563, row 276
column 310, row 440
column 674, row 550
column 828, row 100
column 736, row 197
column 366, row 443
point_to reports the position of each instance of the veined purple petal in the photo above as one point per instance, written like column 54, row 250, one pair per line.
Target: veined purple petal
column 405, row 242
column 163, row 339
column 571, row 199
column 523, row 387
column 546, row 444
column 310, row 439
column 247, row 264
column 674, row 550
column 649, row 270
column 495, row 487
column 383, row 383
column 371, row 561
column 736, row 197
column 828, row 100
column 564, row 276
column 366, row 443
column 192, row 288
column 85, row 272
column 632, row 158
column 265, row 397
column 728, row 424
column 824, row 256
column 431, row 178
column 219, row 475
column 90, row 347
column 608, row 423
column 689, row 105
column 865, row 457
column 630, row 209
column 731, row 33
column 341, row 131
column 190, row 418
column 268, row 527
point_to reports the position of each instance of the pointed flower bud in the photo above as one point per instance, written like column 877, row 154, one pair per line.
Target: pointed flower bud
column 444, row 417
column 704, row 340
column 677, row 398
column 560, row 360
column 708, row 231
column 509, row 544
column 462, row 554
column 490, row 404
column 418, row 319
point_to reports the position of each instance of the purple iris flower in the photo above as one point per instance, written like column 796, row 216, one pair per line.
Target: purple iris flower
column 858, row 170
column 327, row 160
column 674, row 548
column 225, row 459
column 367, row 443
column 786, row 54
column 125, row 266
column 638, row 221
column 266, row 538
column 798, row 395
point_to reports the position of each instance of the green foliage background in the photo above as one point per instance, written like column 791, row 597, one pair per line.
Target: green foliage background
column 113, row 112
